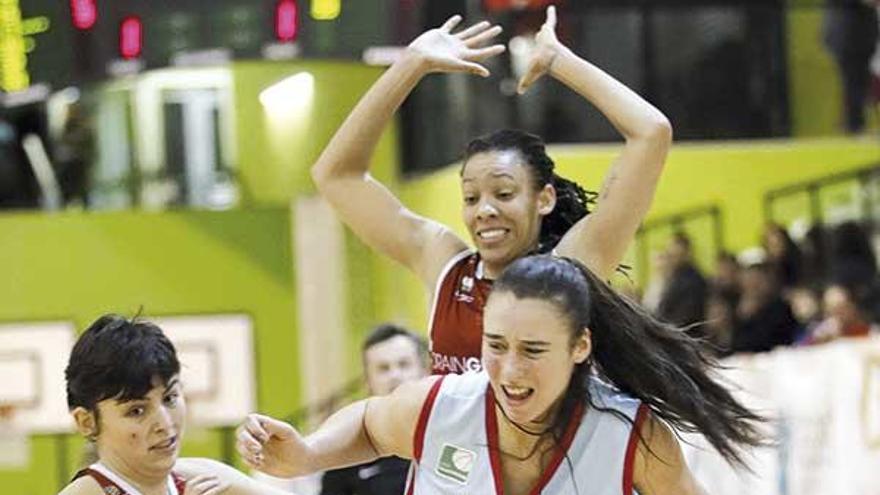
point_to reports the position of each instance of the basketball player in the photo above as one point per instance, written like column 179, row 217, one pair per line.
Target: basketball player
column 125, row 395
column 513, row 202
column 579, row 394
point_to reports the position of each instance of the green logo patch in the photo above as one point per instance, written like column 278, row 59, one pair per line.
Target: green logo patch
column 456, row 463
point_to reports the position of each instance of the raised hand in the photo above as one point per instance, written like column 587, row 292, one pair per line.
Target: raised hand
column 271, row 446
column 441, row 51
column 205, row 485
column 547, row 47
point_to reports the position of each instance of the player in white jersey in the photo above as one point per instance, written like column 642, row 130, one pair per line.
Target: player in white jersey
column 580, row 393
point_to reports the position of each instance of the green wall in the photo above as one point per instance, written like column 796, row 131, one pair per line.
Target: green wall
column 77, row 266
column 275, row 152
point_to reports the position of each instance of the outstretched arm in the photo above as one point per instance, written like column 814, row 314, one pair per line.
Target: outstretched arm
column 600, row 240
column 358, row 433
column 341, row 173
column 201, row 472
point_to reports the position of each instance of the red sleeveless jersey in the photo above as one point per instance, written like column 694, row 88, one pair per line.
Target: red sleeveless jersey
column 457, row 315
column 110, row 487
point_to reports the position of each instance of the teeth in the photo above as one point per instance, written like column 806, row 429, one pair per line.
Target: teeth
column 491, row 234
column 517, row 392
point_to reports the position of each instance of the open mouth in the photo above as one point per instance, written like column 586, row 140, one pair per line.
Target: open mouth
column 492, row 235
column 517, row 395
column 167, row 445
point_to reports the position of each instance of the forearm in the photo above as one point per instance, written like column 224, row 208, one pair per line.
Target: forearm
column 342, row 440
column 351, row 148
column 631, row 115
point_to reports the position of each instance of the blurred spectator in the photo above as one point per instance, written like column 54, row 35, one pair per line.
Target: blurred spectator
column 391, row 355
column 814, row 253
column 73, row 155
column 764, row 319
column 683, row 301
column 850, row 31
column 18, row 187
column 807, row 310
column 720, row 322
column 726, row 281
column 659, row 277
column 783, row 256
column 852, row 264
column 843, row 318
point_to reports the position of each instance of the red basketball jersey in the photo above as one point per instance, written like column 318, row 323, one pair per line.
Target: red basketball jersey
column 457, row 315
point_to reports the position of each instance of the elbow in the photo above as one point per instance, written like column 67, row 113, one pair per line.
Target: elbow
column 660, row 130
column 319, row 174
column 322, row 175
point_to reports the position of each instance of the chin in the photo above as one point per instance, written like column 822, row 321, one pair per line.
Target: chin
column 501, row 256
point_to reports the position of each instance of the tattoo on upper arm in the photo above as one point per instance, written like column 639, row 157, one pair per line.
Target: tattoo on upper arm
column 606, row 188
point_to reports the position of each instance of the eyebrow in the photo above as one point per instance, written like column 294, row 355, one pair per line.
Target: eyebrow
column 172, row 383
column 538, row 343
column 494, row 175
column 169, row 386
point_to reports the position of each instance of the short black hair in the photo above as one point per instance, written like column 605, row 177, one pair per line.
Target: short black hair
column 118, row 358
column 387, row 331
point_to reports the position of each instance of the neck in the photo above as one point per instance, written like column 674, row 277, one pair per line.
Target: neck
column 145, row 483
column 492, row 271
column 522, row 441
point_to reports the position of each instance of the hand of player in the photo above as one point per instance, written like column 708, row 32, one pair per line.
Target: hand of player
column 205, row 485
column 438, row 50
column 271, row 446
column 546, row 49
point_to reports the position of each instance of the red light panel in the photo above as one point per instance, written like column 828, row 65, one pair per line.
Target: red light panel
column 83, row 13
column 286, row 20
column 131, row 37
column 505, row 5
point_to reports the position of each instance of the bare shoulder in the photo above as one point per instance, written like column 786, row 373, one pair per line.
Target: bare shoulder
column 660, row 467
column 391, row 419
column 85, row 485
column 189, row 467
column 239, row 483
column 442, row 245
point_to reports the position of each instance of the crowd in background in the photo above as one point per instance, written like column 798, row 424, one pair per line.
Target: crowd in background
column 787, row 293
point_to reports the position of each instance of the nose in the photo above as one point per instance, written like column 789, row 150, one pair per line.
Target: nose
column 164, row 420
column 512, row 367
column 486, row 210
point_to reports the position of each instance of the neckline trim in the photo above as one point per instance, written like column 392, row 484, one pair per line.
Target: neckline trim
column 494, row 450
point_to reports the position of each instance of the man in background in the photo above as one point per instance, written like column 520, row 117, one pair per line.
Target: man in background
column 391, row 355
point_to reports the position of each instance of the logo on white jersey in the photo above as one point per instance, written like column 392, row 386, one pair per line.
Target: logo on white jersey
column 455, row 463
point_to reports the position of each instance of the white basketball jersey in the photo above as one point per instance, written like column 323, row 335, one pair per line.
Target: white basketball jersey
column 456, row 443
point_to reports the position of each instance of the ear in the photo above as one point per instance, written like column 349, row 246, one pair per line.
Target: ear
column 583, row 347
column 86, row 422
column 546, row 200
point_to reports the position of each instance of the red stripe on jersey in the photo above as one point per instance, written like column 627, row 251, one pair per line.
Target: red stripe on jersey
column 562, row 449
column 422, row 425
column 634, row 436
